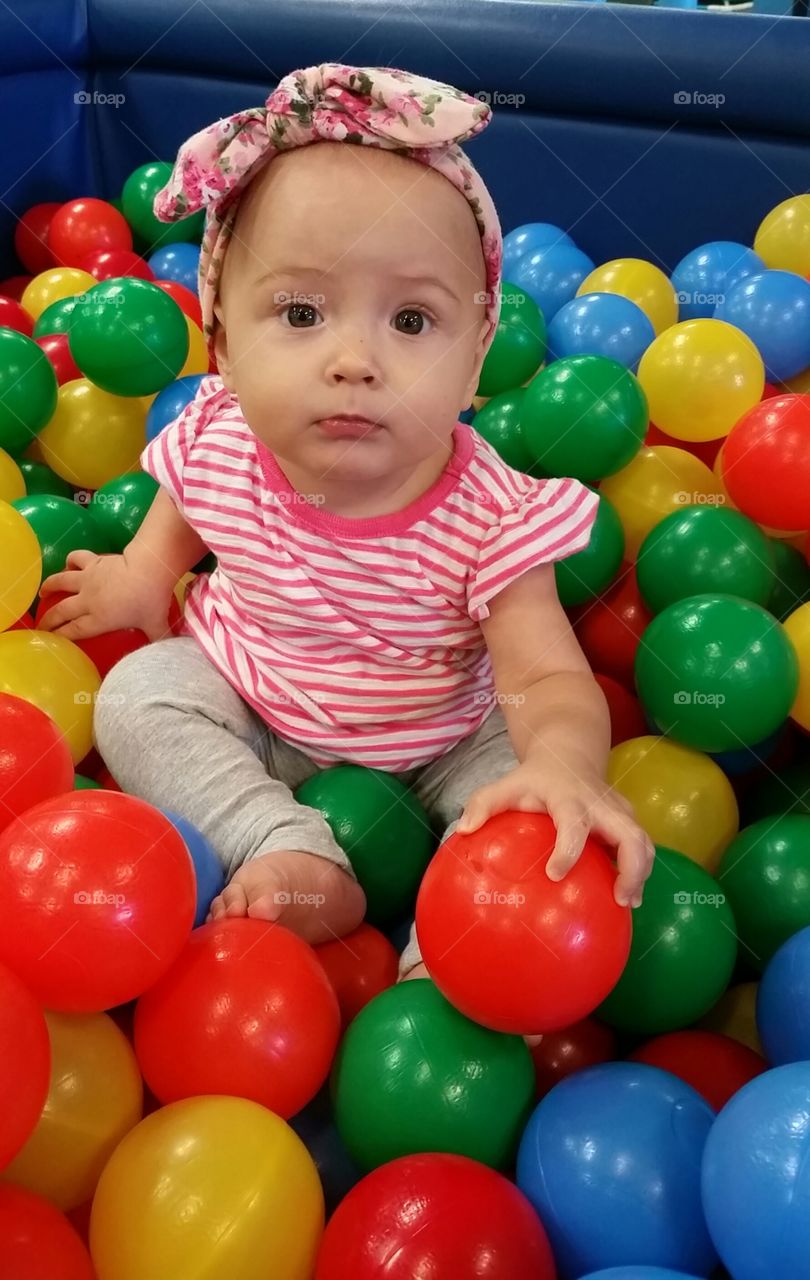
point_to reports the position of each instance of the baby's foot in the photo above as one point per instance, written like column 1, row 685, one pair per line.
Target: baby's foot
column 418, row 971
column 308, row 894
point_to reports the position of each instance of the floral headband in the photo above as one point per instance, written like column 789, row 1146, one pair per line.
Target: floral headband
column 370, row 106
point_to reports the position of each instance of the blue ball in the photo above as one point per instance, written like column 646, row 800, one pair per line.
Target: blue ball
column 337, row 1170
column 610, row 1159
column 773, row 309
column 639, row 1273
column 705, row 275
column 756, row 1177
column 600, row 324
column 783, row 1002
column 745, row 759
column 178, row 262
column 169, row 403
column 207, row 867
column 528, row 238
column 551, row 276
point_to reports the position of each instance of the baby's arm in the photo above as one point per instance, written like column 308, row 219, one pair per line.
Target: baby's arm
column 129, row 590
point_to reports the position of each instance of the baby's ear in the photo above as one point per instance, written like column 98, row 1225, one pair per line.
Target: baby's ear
column 221, row 347
column 481, row 348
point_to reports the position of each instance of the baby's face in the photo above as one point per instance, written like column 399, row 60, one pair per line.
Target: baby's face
column 352, row 287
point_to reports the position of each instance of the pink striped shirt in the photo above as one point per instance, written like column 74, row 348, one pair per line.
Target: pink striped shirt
column 356, row 640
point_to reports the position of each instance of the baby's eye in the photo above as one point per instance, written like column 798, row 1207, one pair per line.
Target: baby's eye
column 409, row 320
column 300, row 315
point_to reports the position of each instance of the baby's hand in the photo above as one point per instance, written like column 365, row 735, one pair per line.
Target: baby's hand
column 578, row 802
column 310, row 895
column 107, row 593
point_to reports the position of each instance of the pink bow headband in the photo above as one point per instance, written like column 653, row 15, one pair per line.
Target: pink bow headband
column 371, row 106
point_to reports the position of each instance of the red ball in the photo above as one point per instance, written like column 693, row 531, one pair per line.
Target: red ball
column 706, row 450
column 562, row 1053
column 84, row 225
column 31, row 238
column 110, row 647
column 25, row 1065
column 35, row 759
column 626, row 713
column 25, row 623
column 106, row 780
column 106, row 264
column 769, row 391
column 15, row 286
column 37, row 1242
column 713, row 1064
column 56, row 348
column 13, row 316
column 97, row 897
column 434, row 1215
column 610, row 628
column 766, row 463
column 187, row 301
column 511, row 948
column 245, row 1010
column 359, row 967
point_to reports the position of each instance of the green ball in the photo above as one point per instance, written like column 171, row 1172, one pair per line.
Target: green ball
column 499, row 423
column 61, row 526
column 589, row 572
column 56, row 317
column 683, row 950
column 137, row 199
column 119, row 507
column 128, row 337
column 716, row 672
column 383, row 830
column 413, row 1074
column 519, row 346
column 787, row 791
column 700, row 550
column 765, row 873
column 791, row 580
column 584, row 416
column 80, row 783
column 27, row 390
column 39, row 478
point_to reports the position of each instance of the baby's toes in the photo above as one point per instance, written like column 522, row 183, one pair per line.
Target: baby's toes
column 233, row 901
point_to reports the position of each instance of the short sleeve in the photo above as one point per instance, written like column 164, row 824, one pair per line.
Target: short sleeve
column 548, row 523
column 165, row 457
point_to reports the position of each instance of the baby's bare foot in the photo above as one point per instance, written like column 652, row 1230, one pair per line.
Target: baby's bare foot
column 308, row 894
column 418, row 971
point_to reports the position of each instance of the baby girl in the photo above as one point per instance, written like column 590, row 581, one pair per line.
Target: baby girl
column 384, row 593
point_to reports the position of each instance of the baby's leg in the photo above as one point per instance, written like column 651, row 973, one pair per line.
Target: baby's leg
column 173, row 731
column 445, row 785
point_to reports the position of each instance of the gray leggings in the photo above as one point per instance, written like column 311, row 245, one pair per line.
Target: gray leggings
column 173, row 731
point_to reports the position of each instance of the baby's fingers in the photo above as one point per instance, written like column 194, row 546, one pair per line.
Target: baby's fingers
column 81, row 559
column 635, row 853
column 63, row 612
column 572, row 832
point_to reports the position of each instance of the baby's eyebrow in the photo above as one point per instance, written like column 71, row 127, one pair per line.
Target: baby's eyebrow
column 287, row 272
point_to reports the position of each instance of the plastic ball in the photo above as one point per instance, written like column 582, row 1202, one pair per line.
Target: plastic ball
column 714, row 1065
column 381, row 827
column 585, row 417
column 681, row 798
column 755, row 1177
column 197, row 361
column 700, row 550
column 108, row 648
column 95, row 1097
column 31, row 237
column 169, row 403
column 589, row 572
column 57, row 349
column 210, row 1184
column 37, row 1242
column 128, row 338
column 413, row 1074
column 499, row 423
column 61, row 526
column 551, row 275
column 783, row 1002
column 626, row 713
column 56, row 317
column 96, row 898
column 337, row 1171
column 797, row 628
column 562, row 1053
column 527, row 239
column 119, row 507
column 187, row 301
column 773, row 309
column 783, row 236
column 642, row 1273
column 765, row 463
column 20, row 565
column 656, row 482
column 734, row 1015
column 519, row 346
column 13, row 316
column 791, row 582
column 178, row 262
column 208, row 870
column 437, row 1215
column 610, row 628
column 54, row 675
column 137, row 199
column 506, row 945
column 27, row 390
column 105, row 264
column 716, row 672
column 54, row 285
column 276, row 1045
column 704, row 275
column 359, row 966
column 12, row 485
column 84, row 225
column 611, row 1162
column 35, row 760
column 25, row 1065
column 641, row 282
column 600, row 324
column 93, row 437
column 764, row 874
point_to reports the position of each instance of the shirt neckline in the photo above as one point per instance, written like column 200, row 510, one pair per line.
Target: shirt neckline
column 306, row 513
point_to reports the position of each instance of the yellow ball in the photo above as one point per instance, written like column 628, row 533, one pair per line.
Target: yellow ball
column 93, row 436
column 797, row 625
column 783, row 238
column 700, row 377
column 681, row 798
column 735, row 1015
column 197, row 358
column 52, row 286
column 95, row 1097
column 12, row 485
column 642, row 283
column 57, row 677
column 658, row 481
column 20, row 565
column 210, row 1186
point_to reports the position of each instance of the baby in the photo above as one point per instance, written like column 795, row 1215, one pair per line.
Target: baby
column 384, row 592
